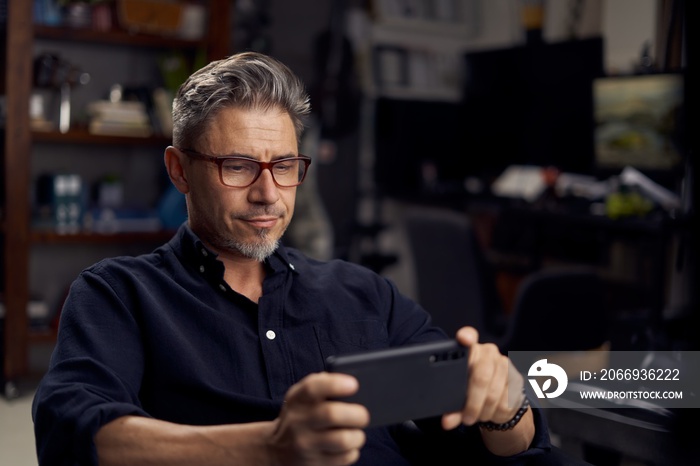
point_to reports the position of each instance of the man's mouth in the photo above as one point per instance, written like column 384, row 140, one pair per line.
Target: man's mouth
column 262, row 222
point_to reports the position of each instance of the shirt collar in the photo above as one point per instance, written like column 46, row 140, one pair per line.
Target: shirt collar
column 194, row 251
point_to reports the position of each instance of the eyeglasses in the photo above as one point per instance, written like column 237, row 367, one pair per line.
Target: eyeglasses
column 241, row 172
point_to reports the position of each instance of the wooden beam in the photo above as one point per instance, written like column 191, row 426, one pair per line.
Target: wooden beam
column 219, row 29
column 18, row 79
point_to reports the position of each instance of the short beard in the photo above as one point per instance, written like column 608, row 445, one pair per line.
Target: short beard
column 258, row 250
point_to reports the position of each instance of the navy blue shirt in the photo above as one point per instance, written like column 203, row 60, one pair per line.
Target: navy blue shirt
column 162, row 335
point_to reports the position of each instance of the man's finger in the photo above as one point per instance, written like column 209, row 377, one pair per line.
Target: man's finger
column 338, row 414
column 467, row 336
column 321, row 386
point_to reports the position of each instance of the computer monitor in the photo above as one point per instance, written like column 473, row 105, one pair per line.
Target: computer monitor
column 525, row 105
column 532, row 105
column 639, row 123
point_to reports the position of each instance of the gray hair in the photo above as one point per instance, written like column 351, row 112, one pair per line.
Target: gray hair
column 247, row 80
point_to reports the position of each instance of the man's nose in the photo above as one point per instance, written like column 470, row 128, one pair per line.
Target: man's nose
column 264, row 190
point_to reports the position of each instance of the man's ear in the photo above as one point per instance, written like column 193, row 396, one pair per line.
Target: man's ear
column 174, row 163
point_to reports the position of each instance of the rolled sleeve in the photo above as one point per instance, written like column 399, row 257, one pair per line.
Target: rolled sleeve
column 94, row 374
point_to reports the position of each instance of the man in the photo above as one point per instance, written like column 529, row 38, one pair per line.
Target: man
column 211, row 349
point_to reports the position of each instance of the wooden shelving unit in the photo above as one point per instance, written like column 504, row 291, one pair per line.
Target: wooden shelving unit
column 81, row 136
column 16, row 236
column 41, row 336
column 116, row 37
column 51, row 237
column 414, row 53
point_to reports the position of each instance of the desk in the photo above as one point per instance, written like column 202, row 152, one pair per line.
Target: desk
column 653, row 443
column 636, row 257
column 634, row 254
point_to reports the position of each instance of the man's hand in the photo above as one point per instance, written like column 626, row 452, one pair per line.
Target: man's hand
column 494, row 393
column 312, row 429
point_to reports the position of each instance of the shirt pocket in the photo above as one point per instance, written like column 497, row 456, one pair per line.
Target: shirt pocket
column 351, row 336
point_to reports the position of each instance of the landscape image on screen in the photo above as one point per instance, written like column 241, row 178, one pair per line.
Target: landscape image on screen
column 637, row 121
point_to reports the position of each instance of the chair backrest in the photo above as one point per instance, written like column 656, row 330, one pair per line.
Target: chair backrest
column 558, row 309
column 453, row 281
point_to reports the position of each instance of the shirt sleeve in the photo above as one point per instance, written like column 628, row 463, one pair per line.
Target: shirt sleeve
column 94, row 375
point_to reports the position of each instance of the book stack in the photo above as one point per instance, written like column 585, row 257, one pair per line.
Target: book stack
column 121, row 118
column 111, row 220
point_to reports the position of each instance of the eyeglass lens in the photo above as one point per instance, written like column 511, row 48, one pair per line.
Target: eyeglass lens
column 239, row 173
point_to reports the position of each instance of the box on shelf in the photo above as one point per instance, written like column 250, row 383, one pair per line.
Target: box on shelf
column 60, row 198
column 150, row 16
column 37, row 310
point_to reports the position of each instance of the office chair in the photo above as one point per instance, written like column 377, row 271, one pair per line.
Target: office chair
column 454, row 282
column 558, row 309
column 563, row 310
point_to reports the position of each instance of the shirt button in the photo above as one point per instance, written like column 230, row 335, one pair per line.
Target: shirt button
column 291, row 266
column 222, row 287
column 204, row 252
column 270, row 335
column 201, row 268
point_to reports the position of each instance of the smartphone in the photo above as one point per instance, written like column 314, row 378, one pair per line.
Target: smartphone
column 409, row 382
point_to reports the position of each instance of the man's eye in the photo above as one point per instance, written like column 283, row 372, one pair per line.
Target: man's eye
column 237, row 167
column 284, row 167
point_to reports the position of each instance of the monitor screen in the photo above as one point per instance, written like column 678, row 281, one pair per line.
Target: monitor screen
column 532, row 105
column 638, row 122
column 526, row 105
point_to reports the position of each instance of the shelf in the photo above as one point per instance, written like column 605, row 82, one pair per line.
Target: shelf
column 450, row 29
column 16, row 234
column 42, row 335
column 115, row 37
column 51, row 237
column 81, row 136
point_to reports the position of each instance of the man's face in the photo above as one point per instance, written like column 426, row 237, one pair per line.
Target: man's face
column 242, row 221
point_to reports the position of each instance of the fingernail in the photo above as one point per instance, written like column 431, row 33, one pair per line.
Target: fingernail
column 452, row 420
column 350, row 382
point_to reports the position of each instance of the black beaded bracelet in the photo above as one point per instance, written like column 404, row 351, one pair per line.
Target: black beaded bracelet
column 509, row 424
